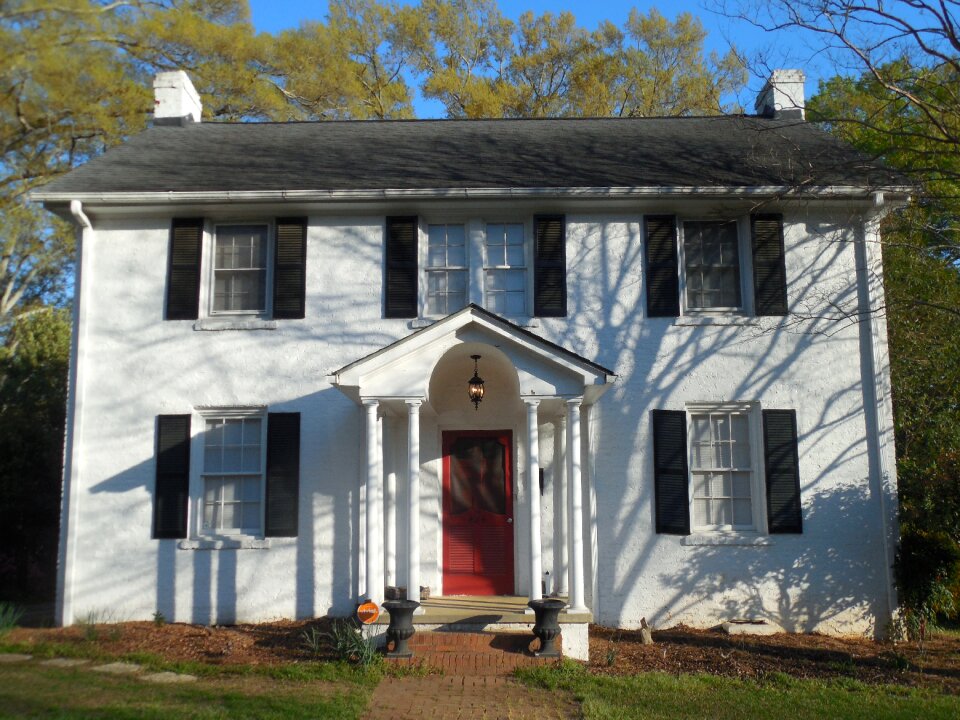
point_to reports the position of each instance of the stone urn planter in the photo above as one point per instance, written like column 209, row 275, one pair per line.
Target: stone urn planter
column 400, row 629
column 547, row 625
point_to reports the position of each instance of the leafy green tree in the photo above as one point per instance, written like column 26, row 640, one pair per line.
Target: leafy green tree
column 33, row 380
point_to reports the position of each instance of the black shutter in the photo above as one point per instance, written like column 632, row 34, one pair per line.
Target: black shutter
column 670, row 471
column 400, row 268
column 173, row 476
column 782, row 465
column 663, row 282
column 550, row 266
column 769, row 270
column 283, row 474
column 183, row 274
column 290, row 269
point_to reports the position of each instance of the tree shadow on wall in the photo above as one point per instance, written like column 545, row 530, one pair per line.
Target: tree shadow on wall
column 827, row 585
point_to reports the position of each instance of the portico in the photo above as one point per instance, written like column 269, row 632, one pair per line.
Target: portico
column 461, row 498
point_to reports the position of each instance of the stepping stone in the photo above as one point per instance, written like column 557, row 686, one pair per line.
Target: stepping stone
column 169, row 678
column 14, row 658
column 64, row 662
column 118, row 668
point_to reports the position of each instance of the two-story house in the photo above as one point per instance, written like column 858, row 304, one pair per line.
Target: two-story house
column 277, row 326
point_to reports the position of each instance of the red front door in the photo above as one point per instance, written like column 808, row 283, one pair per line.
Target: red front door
column 477, row 513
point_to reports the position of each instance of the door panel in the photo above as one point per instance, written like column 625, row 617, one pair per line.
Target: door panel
column 477, row 513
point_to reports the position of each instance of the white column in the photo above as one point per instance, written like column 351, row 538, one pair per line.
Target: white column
column 374, row 576
column 533, row 484
column 575, row 488
column 390, row 528
column 561, row 521
column 413, row 497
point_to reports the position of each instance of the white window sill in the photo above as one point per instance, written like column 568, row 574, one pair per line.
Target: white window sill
column 694, row 320
column 524, row 322
column 234, row 324
column 714, row 539
column 239, row 543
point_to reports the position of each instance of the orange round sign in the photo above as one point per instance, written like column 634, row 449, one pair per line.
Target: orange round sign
column 368, row 612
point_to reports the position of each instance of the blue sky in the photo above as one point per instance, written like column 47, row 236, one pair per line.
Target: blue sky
column 781, row 50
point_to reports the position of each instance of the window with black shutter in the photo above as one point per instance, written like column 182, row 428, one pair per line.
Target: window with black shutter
column 550, row 266
column 172, row 488
column 400, row 267
column 663, row 284
column 782, row 465
column 670, row 472
column 769, row 269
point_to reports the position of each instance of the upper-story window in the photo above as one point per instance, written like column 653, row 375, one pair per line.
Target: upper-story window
column 705, row 267
column 250, row 268
column 240, row 269
column 517, row 269
column 505, row 271
column 479, row 262
column 446, row 268
column 711, row 264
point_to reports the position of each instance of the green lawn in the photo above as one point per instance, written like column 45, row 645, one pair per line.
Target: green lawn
column 656, row 695
column 30, row 690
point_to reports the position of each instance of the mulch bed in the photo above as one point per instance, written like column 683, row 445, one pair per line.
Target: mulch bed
column 613, row 652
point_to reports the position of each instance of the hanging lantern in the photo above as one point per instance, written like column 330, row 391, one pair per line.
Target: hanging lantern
column 475, row 385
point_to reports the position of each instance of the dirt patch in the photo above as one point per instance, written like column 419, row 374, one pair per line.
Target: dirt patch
column 685, row 650
column 615, row 652
column 263, row 644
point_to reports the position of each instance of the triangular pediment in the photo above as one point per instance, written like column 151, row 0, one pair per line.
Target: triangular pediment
column 403, row 368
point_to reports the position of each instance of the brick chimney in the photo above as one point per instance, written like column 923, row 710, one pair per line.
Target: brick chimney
column 782, row 96
column 176, row 101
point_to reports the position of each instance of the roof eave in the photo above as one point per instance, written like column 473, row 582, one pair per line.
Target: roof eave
column 825, row 192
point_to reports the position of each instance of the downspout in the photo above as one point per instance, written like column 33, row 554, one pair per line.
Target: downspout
column 879, row 408
column 67, row 550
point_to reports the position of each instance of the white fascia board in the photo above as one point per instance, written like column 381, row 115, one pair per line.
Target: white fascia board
column 844, row 192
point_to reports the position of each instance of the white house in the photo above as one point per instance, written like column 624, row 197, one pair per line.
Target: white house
column 275, row 327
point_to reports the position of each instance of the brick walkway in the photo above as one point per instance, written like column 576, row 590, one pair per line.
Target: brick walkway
column 466, row 698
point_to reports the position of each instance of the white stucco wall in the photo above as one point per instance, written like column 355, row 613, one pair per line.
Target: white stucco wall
column 136, row 366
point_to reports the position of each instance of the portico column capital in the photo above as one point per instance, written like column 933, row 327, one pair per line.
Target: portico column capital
column 413, row 404
column 370, row 402
column 531, row 401
column 574, row 402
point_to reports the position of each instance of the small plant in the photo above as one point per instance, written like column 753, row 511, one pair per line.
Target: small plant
column 314, row 641
column 349, row 643
column 10, row 615
column 159, row 619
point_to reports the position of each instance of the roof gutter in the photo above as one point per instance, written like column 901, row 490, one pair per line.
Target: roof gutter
column 835, row 192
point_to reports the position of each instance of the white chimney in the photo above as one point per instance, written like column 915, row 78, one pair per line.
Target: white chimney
column 176, row 101
column 782, row 96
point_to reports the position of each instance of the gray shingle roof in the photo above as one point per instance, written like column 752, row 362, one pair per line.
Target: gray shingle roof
column 733, row 151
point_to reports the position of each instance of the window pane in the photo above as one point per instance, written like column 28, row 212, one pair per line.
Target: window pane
column 457, row 282
column 233, row 432
column 251, row 489
column 720, row 485
column 214, row 432
column 515, row 280
column 515, row 256
column 457, row 256
column 228, row 519
column 456, row 235
column 701, row 512
column 516, row 304
column 230, row 490
column 251, row 431
column 212, row 490
column 495, row 234
column 741, row 485
column 437, row 235
column 742, row 513
column 251, row 516
column 436, row 256
column 232, row 459
column 495, row 280
column 515, row 234
column 721, row 512
column 210, row 517
column 211, row 460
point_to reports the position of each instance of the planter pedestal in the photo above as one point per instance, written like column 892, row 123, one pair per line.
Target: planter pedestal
column 400, row 628
column 547, row 625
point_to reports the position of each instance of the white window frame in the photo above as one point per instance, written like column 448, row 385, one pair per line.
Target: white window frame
column 198, row 474
column 476, row 232
column 758, row 505
column 745, row 252
column 429, row 269
column 208, row 287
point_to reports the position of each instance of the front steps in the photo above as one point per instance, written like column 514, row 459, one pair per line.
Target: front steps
column 483, row 635
column 481, row 653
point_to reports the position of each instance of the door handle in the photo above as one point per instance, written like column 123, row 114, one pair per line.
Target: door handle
column 510, row 521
